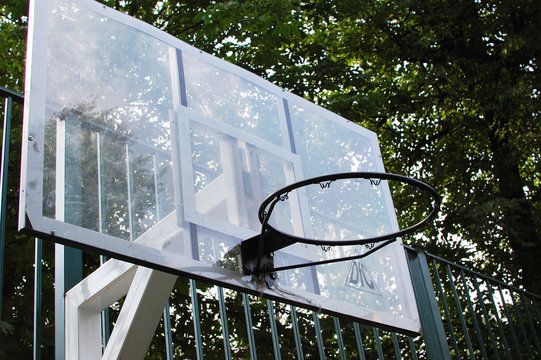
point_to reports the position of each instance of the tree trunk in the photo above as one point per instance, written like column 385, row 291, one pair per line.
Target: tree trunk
column 517, row 214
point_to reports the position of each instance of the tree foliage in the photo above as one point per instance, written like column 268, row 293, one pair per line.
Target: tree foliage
column 450, row 87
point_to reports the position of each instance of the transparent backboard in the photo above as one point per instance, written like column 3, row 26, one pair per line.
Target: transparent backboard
column 142, row 147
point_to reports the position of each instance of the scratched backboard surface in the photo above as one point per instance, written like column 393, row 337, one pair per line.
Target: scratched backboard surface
column 145, row 148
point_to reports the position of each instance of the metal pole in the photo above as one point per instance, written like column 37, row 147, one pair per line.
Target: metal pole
column 503, row 338
column 396, row 346
column 339, row 339
column 460, row 312
column 481, row 301
column 319, row 337
column 412, row 348
column 4, row 189
column 196, row 320
column 429, row 312
column 443, row 301
column 68, row 272
column 68, row 261
column 274, row 330
column 167, row 330
column 359, row 341
column 377, row 340
column 37, row 299
column 249, row 326
column 473, row 316
column 223, row 320
column 510, row 322
column 296, row 332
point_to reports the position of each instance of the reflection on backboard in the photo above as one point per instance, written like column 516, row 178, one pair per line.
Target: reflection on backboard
column 144, row 148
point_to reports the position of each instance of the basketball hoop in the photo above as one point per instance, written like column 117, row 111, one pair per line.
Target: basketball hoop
column 257, row 253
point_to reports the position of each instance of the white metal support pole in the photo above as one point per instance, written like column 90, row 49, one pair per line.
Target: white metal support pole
column 86, row 300
column 140, row 315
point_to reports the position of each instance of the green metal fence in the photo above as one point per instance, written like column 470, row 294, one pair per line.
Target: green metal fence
column 9, row 98
column 464, row 314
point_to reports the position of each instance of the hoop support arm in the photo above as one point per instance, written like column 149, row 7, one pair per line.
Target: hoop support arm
column 257, row 253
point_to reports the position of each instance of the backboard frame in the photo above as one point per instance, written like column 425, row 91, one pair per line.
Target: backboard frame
column 34, row 222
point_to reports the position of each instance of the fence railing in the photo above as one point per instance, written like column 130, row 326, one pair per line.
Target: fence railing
column 464, row 314
column 484, row 317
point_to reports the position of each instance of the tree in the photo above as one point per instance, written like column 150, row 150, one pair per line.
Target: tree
column 443, row 72
column 452, row 89
column 12, row 43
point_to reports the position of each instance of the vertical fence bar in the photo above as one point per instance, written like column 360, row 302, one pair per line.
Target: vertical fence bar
column 485, row 315
column 319, row 337
column 473, row 316
column 510, row 321
column 359, row 341
column 37, row 299
column 460, row 312
column 396, row 346
column 530, row 323
column 499, row 321
column 412, row 348
column 274, row 330
column 377, row 340
column 167, row 331
column 341, row 347
column 196, row 320
column 223, row 320
column 249, row 326
column 536, row 311
column 296, row 332
column 445, row 308
column 427, row 304
column 4, row 189
column 521, row 325
column 68, row 272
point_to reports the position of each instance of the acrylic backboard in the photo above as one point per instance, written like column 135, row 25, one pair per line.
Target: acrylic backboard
column 144, row 148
